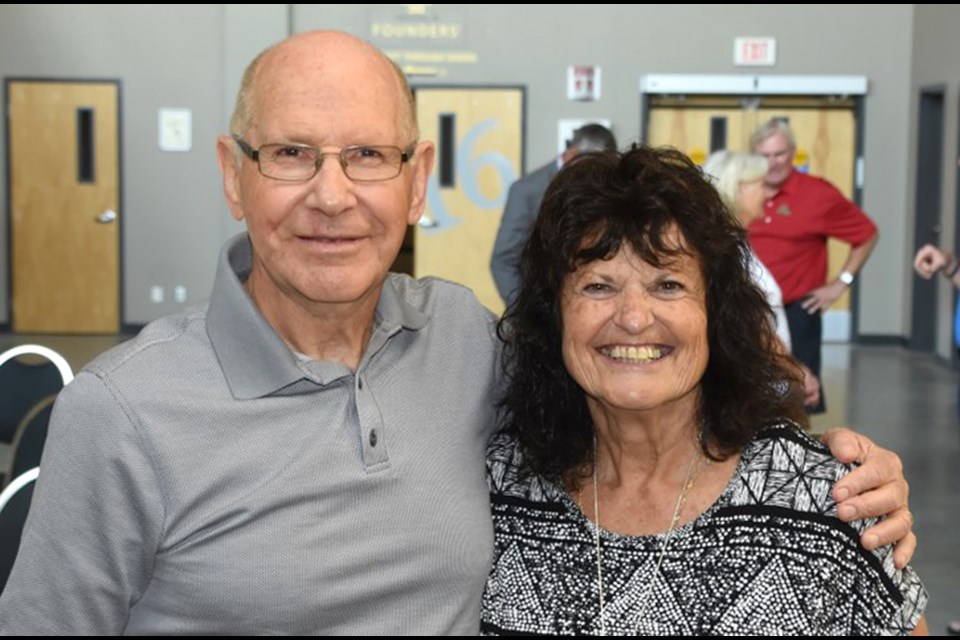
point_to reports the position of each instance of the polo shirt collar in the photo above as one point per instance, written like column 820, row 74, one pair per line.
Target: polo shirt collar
column 790, row 184
column 256, row 362
column 394, row 310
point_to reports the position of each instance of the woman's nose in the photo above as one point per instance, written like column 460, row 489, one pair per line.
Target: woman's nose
column 636, row 311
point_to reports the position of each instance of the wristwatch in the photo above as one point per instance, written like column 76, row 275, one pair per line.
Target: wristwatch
column 846, row 278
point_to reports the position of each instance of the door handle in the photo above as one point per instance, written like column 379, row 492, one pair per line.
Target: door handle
column 107, row 216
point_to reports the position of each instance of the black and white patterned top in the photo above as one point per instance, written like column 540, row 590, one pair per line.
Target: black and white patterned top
column 768, row 558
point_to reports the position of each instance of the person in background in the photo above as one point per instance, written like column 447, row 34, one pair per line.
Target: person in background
column 801, row 213
column 523, row 202
column 651, row 478
column 738, row 178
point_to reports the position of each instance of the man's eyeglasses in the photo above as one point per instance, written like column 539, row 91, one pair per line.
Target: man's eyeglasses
column 300, row 162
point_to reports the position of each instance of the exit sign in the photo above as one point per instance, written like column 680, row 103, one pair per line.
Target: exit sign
column 755, row 52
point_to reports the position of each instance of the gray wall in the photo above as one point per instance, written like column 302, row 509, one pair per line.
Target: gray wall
column 526, row 44
column 192, row 57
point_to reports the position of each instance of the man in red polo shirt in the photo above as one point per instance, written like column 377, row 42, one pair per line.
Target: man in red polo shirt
column 800, row 213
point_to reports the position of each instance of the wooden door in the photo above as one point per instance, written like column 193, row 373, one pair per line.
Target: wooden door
column 64, row 194
column 479, row 138
column 701, row 127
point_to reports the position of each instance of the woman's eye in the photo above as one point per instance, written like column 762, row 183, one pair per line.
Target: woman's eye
column 596, row 287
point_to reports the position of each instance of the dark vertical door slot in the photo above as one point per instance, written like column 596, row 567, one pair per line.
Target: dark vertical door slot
column 85, row 159
column 718, row 133
column 447, row 150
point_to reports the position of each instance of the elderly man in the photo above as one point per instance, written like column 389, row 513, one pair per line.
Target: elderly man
column 800, row 213
column 304, row 454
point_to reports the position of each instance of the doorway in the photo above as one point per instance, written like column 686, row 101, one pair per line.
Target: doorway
column 63, row 150
column 479, row 137
column 927, row 215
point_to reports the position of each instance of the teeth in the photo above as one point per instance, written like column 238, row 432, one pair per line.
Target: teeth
column 635, row 354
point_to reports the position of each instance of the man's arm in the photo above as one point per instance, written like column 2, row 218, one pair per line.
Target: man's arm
column 94, row 526
column 518, row 216
column 822, row 297
column 876, row 488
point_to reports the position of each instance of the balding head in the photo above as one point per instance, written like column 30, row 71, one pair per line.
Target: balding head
column 322, row 56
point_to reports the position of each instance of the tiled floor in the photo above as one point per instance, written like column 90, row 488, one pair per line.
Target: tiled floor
column 903, row 400
column 907, row 401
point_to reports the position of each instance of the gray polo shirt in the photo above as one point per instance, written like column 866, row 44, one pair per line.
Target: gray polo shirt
column 203, row 479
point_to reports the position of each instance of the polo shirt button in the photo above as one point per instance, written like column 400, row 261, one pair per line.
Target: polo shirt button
column 360, row 383
column 373, row 437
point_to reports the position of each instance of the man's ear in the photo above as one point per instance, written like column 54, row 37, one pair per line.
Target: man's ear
column 423, row 158
column 230, row 170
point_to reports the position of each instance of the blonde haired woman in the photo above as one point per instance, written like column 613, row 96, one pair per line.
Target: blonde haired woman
column 738, row 177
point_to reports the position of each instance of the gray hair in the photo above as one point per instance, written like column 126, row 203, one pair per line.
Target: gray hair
column 770, row 128
column 728, row 169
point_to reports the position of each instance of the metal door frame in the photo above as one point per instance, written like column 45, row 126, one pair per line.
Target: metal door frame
column 928, row 184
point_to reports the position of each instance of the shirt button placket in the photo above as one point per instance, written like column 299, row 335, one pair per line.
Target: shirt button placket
column 371, row 423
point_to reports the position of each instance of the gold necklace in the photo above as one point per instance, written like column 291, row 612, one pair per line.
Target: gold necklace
column 681, row 500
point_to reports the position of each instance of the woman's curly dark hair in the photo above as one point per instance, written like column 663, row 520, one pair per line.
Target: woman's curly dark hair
column 598, row 202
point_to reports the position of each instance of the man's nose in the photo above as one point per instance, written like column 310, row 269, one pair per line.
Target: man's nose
column 331, row 190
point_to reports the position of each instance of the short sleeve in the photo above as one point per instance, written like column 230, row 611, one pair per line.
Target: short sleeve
column 95, row 521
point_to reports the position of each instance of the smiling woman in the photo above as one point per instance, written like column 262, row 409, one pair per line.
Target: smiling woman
column 653, row 477
column 634, row 334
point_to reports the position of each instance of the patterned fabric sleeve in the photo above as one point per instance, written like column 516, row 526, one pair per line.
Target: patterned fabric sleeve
column 890, row 601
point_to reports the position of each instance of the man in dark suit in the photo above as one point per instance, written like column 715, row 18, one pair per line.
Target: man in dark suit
column 523, row 202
